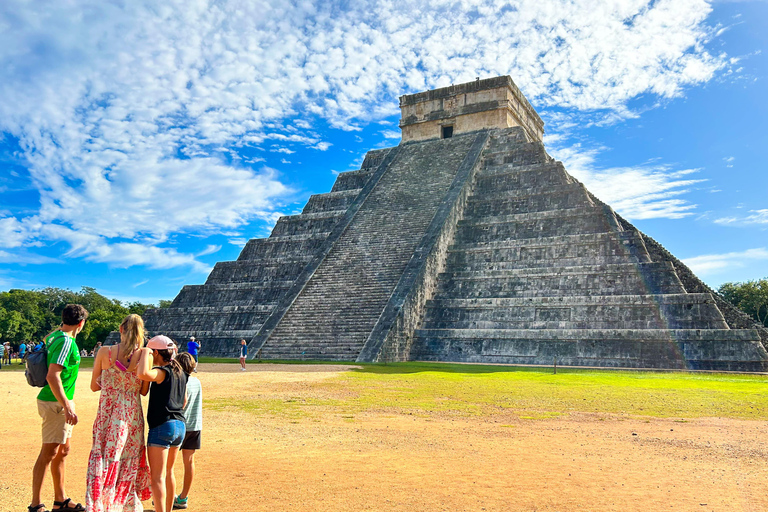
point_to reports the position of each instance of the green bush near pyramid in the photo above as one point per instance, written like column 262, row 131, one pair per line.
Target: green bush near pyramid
column 466, row 242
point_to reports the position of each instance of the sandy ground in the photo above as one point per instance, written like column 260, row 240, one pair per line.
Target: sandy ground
column 385, row 461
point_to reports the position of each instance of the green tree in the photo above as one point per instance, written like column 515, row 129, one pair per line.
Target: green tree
column 32, row 314
column 750, row 297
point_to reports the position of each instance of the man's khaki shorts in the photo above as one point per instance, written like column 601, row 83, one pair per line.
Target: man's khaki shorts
column 55, row 427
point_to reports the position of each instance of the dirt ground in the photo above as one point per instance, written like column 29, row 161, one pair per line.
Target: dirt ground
column 400, row 462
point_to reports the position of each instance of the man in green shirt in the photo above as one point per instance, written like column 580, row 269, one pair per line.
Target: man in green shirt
column 56, row 406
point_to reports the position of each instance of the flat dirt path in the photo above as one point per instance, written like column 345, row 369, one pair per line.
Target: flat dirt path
column 385, row 461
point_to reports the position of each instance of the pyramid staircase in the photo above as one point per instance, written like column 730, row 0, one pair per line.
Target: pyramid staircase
column 239, row 295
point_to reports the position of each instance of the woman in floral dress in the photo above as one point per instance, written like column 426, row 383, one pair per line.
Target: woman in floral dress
column 118, row 474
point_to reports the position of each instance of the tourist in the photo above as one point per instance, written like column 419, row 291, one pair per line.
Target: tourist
column 243, row 354
column 8, row 352
column 22, row 352
column 164, row 416
column 57, row 409
column 193, row 347
column 193, row 420
column 2, row 354
column 118, row 474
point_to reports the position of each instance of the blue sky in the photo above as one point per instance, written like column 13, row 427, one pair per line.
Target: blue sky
column 141, row 142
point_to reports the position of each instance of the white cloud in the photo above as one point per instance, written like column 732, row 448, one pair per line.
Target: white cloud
column 729, row 161
column 209, row 249
column 390, row 134
column 756, row 217
column 125, row 112
column 715, row 263
column 140, row 283
column 23, row 257
column 640, row 192
column 322, row 146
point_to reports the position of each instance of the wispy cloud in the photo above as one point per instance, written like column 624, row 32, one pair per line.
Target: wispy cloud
column 25, row 258
column 140, row 283
column 209, row 249
column 755, row 217
column 641, row 192
column 135, row 110
column 711, row 264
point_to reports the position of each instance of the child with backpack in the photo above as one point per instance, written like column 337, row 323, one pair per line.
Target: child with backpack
column 193, row 414
column 165, row 416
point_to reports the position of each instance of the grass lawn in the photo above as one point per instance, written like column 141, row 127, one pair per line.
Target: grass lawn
column 535, row 393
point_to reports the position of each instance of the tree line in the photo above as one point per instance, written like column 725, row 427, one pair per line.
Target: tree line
column 751, row 297
column 29, row 315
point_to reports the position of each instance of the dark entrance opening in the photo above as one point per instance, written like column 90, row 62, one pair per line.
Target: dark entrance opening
column 447, row 132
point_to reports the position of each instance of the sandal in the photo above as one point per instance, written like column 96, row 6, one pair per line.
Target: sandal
column 64, row 505
column 37, row 508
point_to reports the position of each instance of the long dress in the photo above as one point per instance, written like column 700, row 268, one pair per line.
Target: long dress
column 118, row 474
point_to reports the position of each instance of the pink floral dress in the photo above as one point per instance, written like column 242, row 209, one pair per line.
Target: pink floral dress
column 118, row 474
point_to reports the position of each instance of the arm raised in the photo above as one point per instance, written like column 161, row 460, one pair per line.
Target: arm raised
column 145, row 371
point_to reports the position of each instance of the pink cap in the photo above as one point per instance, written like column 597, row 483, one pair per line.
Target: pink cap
column 161, row 343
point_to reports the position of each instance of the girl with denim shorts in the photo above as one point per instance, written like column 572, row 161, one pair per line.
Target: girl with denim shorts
column 165, row 418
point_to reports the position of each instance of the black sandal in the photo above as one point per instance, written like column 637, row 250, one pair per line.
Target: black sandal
column 63, row 505
column 37, row 508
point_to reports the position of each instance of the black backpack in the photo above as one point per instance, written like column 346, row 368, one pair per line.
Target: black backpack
column 37, row 367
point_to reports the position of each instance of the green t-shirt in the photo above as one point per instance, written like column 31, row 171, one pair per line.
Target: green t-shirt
column 62, row 350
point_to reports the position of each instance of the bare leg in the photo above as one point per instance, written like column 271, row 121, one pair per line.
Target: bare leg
column 189, row 471
column 170, row 478
column 157, row 457
column 47, row 453
column 58, row 471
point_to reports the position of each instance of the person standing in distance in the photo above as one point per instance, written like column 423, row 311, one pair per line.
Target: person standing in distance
column 243, row 354
column 57, row 409
column 193, row 347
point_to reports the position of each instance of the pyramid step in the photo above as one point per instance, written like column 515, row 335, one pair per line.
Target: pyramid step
column 573, row 221
column 523, row 154
column 225, row 294
column 532, row 262
column 653, row 278
column 331, row 201
column 504, row 203
column 307, row 223
column 678, row 311
column 712, row 349
column 526, row 177
column 255, row 271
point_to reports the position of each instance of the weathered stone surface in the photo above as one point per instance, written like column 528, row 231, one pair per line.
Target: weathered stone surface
column 476, row 248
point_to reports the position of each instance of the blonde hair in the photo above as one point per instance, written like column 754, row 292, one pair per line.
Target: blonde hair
column 132, row 334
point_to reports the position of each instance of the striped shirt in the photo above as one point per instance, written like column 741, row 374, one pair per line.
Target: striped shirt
column 62, row 350
column 193, row 411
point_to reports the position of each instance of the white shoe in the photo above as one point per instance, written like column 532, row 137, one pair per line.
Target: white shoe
column 242, row 369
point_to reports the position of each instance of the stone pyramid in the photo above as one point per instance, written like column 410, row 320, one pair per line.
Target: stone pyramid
column 466, row 242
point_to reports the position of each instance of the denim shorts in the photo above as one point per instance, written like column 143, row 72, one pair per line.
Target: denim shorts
column 171, row 433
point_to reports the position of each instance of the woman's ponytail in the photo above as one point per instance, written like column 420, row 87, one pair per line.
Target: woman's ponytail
column 132, row 334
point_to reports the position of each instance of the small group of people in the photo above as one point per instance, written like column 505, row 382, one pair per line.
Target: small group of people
column 10, row 351
column 123, row 468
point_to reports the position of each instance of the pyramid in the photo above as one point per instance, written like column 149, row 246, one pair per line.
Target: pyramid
column 469, row 243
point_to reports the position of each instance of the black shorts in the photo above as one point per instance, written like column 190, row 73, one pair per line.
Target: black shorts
column 191, row 440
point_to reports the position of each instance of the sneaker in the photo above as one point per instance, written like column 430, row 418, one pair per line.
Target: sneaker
column 242, row 369
column 180, row 503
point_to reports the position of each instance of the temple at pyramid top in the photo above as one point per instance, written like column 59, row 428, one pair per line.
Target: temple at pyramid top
column 463, row 108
